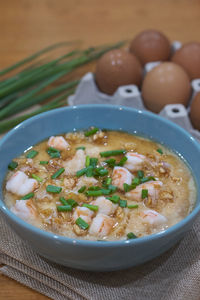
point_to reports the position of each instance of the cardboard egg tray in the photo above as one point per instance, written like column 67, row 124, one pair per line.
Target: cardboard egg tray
column 87, row 92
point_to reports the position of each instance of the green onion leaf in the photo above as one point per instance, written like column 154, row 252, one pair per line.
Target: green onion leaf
column 115, row 198
column 91, row 132
column 108, row 181
column 131, row 235
column 112, row 188
column 122, row 161
column 64, row 208
column 140, row 174
column 89, row 171
column 112, row 153
column 28, row 196
column 93, row 161
column 44, row 162
column 72, row 202
column 80, row 148
column 12, row 165
column 82, row 189
column 144, row 193
column 94, row 193
column 101, row 172
column 54, row 153
column 94, row 188
column 32, row 154
column 133, row 206
column 57, row 173
column 63, row 201
column 122, row 203
column 159, row 151
column 87, row 161
column 53, row 189
column 111, row 162
column 38, row 178
column 91, row 207
column 136, row 181
column 81, row 172
column 81, row 223
column 127, row 187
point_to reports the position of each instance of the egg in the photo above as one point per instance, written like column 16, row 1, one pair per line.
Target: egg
column 116, row 68
column 188, row 56
column 195, row 112
column 167, row 83
column 151, row 45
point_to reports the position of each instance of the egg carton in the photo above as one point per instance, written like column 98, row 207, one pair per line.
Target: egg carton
column 87, row 92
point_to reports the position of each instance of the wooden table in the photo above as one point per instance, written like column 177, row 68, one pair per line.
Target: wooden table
column 27, row 26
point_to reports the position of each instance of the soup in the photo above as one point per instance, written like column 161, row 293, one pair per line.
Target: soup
column 100, row 185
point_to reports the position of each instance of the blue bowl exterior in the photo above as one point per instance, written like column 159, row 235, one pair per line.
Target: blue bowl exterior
column 88, row 255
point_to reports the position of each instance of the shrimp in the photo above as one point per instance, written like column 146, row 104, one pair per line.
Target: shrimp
column 76, row 163
column 134, row 161
column 106, row 207
column 20, row 184
column 101, row 225
column 120, row 176
column 153, row 188
column 58, row 142
column 152, row 217
column 84, row 213
column 24, row 209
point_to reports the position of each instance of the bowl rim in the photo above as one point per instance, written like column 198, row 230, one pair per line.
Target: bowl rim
column 89, row 243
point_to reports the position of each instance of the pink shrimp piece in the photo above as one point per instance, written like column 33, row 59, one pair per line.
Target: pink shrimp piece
column 58, row 142
column 20, row 184
column 105, row 206
column 24, row 209
column 84, row 213
column 120, row 176
column 152, row 217
column 134, row 161
column 76, row 163
column 101, row 225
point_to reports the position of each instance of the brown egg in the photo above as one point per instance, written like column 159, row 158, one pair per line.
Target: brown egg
column 167, row 83
column 188, row 56
column 195, row 112
column 151, row 45
column 116, row 68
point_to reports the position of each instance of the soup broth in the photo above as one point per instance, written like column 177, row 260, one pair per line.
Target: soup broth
column 100, row 185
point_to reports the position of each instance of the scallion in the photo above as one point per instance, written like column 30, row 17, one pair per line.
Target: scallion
column 122, row 161
column 112, row 153
column 81, row 172
column 122, row 203
column 91, row 132
column 87, row 161
column 144, row 193
column 131, row 235
column 82, row 189
column 31, row 154
column 72, row 202
column 57, row 173
column 64, row 208
column 53, row 189
column 81, row 223
column 80, row 148
column 91, row 207
column 140, row 174
column 132, row 206
column 159, row 151
column 127, row 187
column 54, row 153
column 28, row 196
column 12, row 165
column 36, row 177
column 44, row 162
column 115, row 198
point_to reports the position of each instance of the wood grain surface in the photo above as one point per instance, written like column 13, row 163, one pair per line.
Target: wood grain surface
column 29, row 25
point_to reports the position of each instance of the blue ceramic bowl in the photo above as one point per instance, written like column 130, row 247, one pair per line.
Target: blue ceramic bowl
column 95, row 255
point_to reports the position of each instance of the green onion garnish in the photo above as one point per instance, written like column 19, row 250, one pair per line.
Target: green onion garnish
column 91, row 132
column 72, row 202
column 87, row 161
column 94, row 193
column 127, row 187
column 54, row 153
column 80, row 148
column 114, row 198
column 112, row 188
column 131, row 235
column 94, row 188
column 144, row 193
column 140, row 174
column 28, row 196
column 82, row 189
column 91, row 207
column 63, row 201
column 57, row 173
column 53, row 189
column 146, row 179
column 112, row 153
column 101, row 172
column 38, row 178
column 89, row 171
column 44, row 162
column 111, row 162
column 159, row 151
column 133, row 206
column 136, row 181
column 82, row 224
column 32, row 154
column 108, row 181
column 93, row 161
column 122, row 203
column 122, row 161
column 81, row 172
column 12, row 165
column 64, row 208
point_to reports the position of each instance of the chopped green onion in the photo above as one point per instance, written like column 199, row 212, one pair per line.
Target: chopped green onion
column 114, row 198
column 28, row 196
column 64, row 208
column 122, row 161
column 32, row 154
column 93, row 161
column 91, row 207
column 44, row 162
column 81, row 172
column 133, row 206
column 87, row 161
column 57, row 173
column 12, row 165
column 136, row 181
column 101, row 172
column 122, row 203
column 53, row 189
column 127, row 187
column 146, row 179
column 81, row 223
column 140, row 174
column 111, row 162
column 91, row 132
column 94, row 188
column 38, row 178
column 72, row 202
column 54, row 153
column 94, row 193
column 82, row 189
column 63, row 201
column 80, row 148
column 108, row 181
column 112, row 153
column 89, row 171
column 131, row 235
column 106, row 191
column 159, row 151
column 144, row 193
